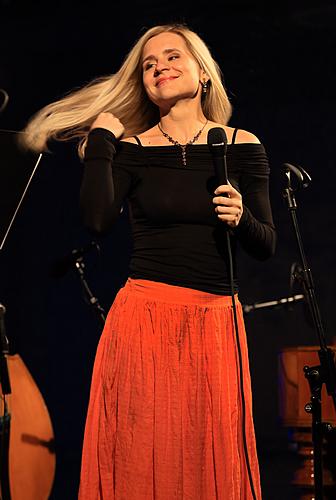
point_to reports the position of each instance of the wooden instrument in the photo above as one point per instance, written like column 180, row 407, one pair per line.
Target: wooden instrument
column 31, row 455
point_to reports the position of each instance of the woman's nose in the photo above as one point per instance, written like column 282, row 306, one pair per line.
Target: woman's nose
column 160, row 66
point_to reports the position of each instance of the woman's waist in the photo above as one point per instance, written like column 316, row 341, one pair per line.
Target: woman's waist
column 167, row 292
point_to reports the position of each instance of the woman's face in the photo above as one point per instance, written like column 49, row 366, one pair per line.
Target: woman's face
column 170, row 72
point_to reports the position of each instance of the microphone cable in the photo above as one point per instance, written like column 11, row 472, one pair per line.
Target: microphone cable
column 240, row 363
column 217, row 142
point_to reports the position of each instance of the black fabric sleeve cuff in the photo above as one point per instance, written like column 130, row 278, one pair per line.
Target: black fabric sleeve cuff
column 101, row 143
column 246, row 215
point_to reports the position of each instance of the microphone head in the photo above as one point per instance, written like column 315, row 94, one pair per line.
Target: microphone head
column 217, row 140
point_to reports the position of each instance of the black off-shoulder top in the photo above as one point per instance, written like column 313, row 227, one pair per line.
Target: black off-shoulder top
column 177, row 236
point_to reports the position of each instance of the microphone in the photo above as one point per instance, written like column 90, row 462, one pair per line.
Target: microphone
column 217, row 142
column 62, row 265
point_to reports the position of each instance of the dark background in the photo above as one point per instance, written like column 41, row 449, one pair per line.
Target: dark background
column 279, row 66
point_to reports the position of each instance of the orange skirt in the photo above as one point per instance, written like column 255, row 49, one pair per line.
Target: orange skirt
column 165, row 417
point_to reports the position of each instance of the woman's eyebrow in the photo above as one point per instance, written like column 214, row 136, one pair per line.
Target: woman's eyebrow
column 166, row 51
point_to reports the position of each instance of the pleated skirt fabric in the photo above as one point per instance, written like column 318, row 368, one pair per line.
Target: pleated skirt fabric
column 167, row 416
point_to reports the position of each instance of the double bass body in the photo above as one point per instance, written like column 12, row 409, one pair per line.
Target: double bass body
column 30, row 457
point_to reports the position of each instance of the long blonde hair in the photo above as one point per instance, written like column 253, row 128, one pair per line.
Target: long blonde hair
column 123, row 94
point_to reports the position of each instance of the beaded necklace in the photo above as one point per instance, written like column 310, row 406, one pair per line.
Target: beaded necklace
column 183, row 146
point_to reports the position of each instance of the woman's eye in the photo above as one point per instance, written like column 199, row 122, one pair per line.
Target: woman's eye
column 149, row 65
column 173, row 57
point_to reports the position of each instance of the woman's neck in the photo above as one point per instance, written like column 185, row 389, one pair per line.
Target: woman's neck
column 182, row 122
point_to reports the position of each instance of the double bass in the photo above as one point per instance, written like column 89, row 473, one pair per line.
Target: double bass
column 27, row 454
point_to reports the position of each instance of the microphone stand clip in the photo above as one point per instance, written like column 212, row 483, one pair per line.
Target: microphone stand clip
column 80, row 266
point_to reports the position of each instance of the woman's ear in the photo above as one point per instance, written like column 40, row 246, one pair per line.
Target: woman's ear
column 204, row 78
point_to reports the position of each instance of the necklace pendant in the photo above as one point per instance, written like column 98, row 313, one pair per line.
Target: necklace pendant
column 182, row 146
column 184, row 154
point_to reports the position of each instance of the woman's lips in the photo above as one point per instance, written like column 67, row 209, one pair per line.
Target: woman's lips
column 164, row 80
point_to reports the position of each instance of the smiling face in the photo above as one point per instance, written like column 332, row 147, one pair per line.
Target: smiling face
column 170, row 72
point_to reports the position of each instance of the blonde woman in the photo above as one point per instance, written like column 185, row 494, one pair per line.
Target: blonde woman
column 170, row 411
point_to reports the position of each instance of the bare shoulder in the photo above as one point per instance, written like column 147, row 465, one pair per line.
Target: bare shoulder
column 130, row 139
column 147, row 138
column 242, row 136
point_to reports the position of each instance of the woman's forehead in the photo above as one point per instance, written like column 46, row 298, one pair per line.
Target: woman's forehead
column 163, row 41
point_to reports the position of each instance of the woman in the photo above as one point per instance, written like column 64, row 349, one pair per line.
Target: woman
column 170, row 411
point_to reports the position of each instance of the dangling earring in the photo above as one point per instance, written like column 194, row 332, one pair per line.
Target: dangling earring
column 204, row 88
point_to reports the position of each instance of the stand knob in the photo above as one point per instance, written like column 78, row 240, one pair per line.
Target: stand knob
column 308, row 408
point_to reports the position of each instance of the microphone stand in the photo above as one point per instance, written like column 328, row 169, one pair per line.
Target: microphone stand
column 76, row 260
column 80, row 266
column 247, row 308
column 325, row 372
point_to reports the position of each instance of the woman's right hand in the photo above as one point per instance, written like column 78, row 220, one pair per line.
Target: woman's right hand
column 109, row 122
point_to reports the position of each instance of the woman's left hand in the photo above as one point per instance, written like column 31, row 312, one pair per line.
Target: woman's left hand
column 229, row 206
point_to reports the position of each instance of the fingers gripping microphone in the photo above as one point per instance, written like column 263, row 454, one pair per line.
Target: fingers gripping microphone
column 217, row 142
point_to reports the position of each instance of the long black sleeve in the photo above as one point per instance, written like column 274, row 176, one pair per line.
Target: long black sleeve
column 100, row 203
column 255, row 232
column 257, row 238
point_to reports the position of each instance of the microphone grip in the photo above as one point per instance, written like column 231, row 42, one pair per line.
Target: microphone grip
column 221, row 170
